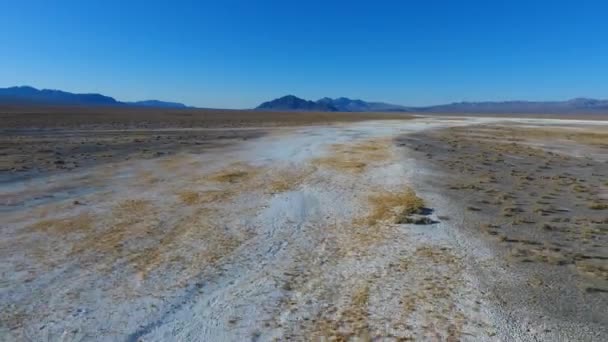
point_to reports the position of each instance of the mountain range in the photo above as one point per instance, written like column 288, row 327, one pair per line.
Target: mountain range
column 31, row 95
column 343, row 104
column 326, row 104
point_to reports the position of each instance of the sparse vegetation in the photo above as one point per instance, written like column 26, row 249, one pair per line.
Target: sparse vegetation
column 394, row 207
column 356, row 157
column 235, row 173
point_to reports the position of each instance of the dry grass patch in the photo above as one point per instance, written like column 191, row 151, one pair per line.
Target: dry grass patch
column 428, row 302
column 341, row 164
column 356, row 157
column 593, row 268
column 235, row 173
column 132, row 207
column 350, row 323
column 74, row 224
column 189, row 197
column 357, row 239
column 175, row 162
column 288, row 179
column 170, row 244
column 128, row 221
column 190, row 245
column 552, row 256
column 587, row 136
column 598, row 206
column 394, row 206
column 147, row 178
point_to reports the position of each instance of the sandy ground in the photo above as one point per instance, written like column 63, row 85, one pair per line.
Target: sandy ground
column 331, row 232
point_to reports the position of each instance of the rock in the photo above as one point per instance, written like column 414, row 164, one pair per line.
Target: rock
column 416, row 219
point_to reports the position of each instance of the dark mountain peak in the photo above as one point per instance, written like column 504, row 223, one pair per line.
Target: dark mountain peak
column 23, row 88
column 342, row 104
column 294, row 103
column 345, row 104
column 19, row 90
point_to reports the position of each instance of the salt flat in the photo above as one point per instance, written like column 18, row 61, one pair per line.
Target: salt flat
column 294, row 232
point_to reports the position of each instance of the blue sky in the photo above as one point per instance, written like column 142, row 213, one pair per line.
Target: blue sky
column 236, row 54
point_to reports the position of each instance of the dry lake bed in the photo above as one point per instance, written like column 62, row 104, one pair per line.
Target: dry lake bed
column 333, row 228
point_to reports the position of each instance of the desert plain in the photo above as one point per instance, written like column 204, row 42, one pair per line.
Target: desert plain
column 202, row 225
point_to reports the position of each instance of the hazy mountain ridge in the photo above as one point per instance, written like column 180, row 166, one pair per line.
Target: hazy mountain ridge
column 294, row 103
column 343, row 104
column 158, row 104
column 577, row 105
column 326, row 104
column 31, row 95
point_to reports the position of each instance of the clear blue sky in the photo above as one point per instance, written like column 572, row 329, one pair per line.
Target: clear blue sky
column 236, row 54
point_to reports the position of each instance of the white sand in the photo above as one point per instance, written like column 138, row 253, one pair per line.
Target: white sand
column 291, row 271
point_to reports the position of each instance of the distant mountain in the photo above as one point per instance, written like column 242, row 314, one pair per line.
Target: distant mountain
column 48, row 96
column 293, row 103
column 158, row 104
column 326, row 104
column 31, row 95
column 574, row 106
column 343, row 104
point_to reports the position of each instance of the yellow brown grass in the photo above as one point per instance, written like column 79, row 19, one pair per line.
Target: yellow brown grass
column 180, row 161
column 358, row 238
column 527, row 253
column 593, row 268
column 130, row 219
column 190, row 197
column 598, row 205
column 288, row 179
column 356, row 157
column 78, row 223
column 430, row 298
column 392, row 206
column 235, row 173
column 212, row 243
column 587, row 136
column 348, row 323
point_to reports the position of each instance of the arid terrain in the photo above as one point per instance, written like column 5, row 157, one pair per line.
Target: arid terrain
column 202, row 225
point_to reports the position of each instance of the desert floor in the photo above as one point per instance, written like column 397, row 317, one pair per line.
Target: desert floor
column 425, row 228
